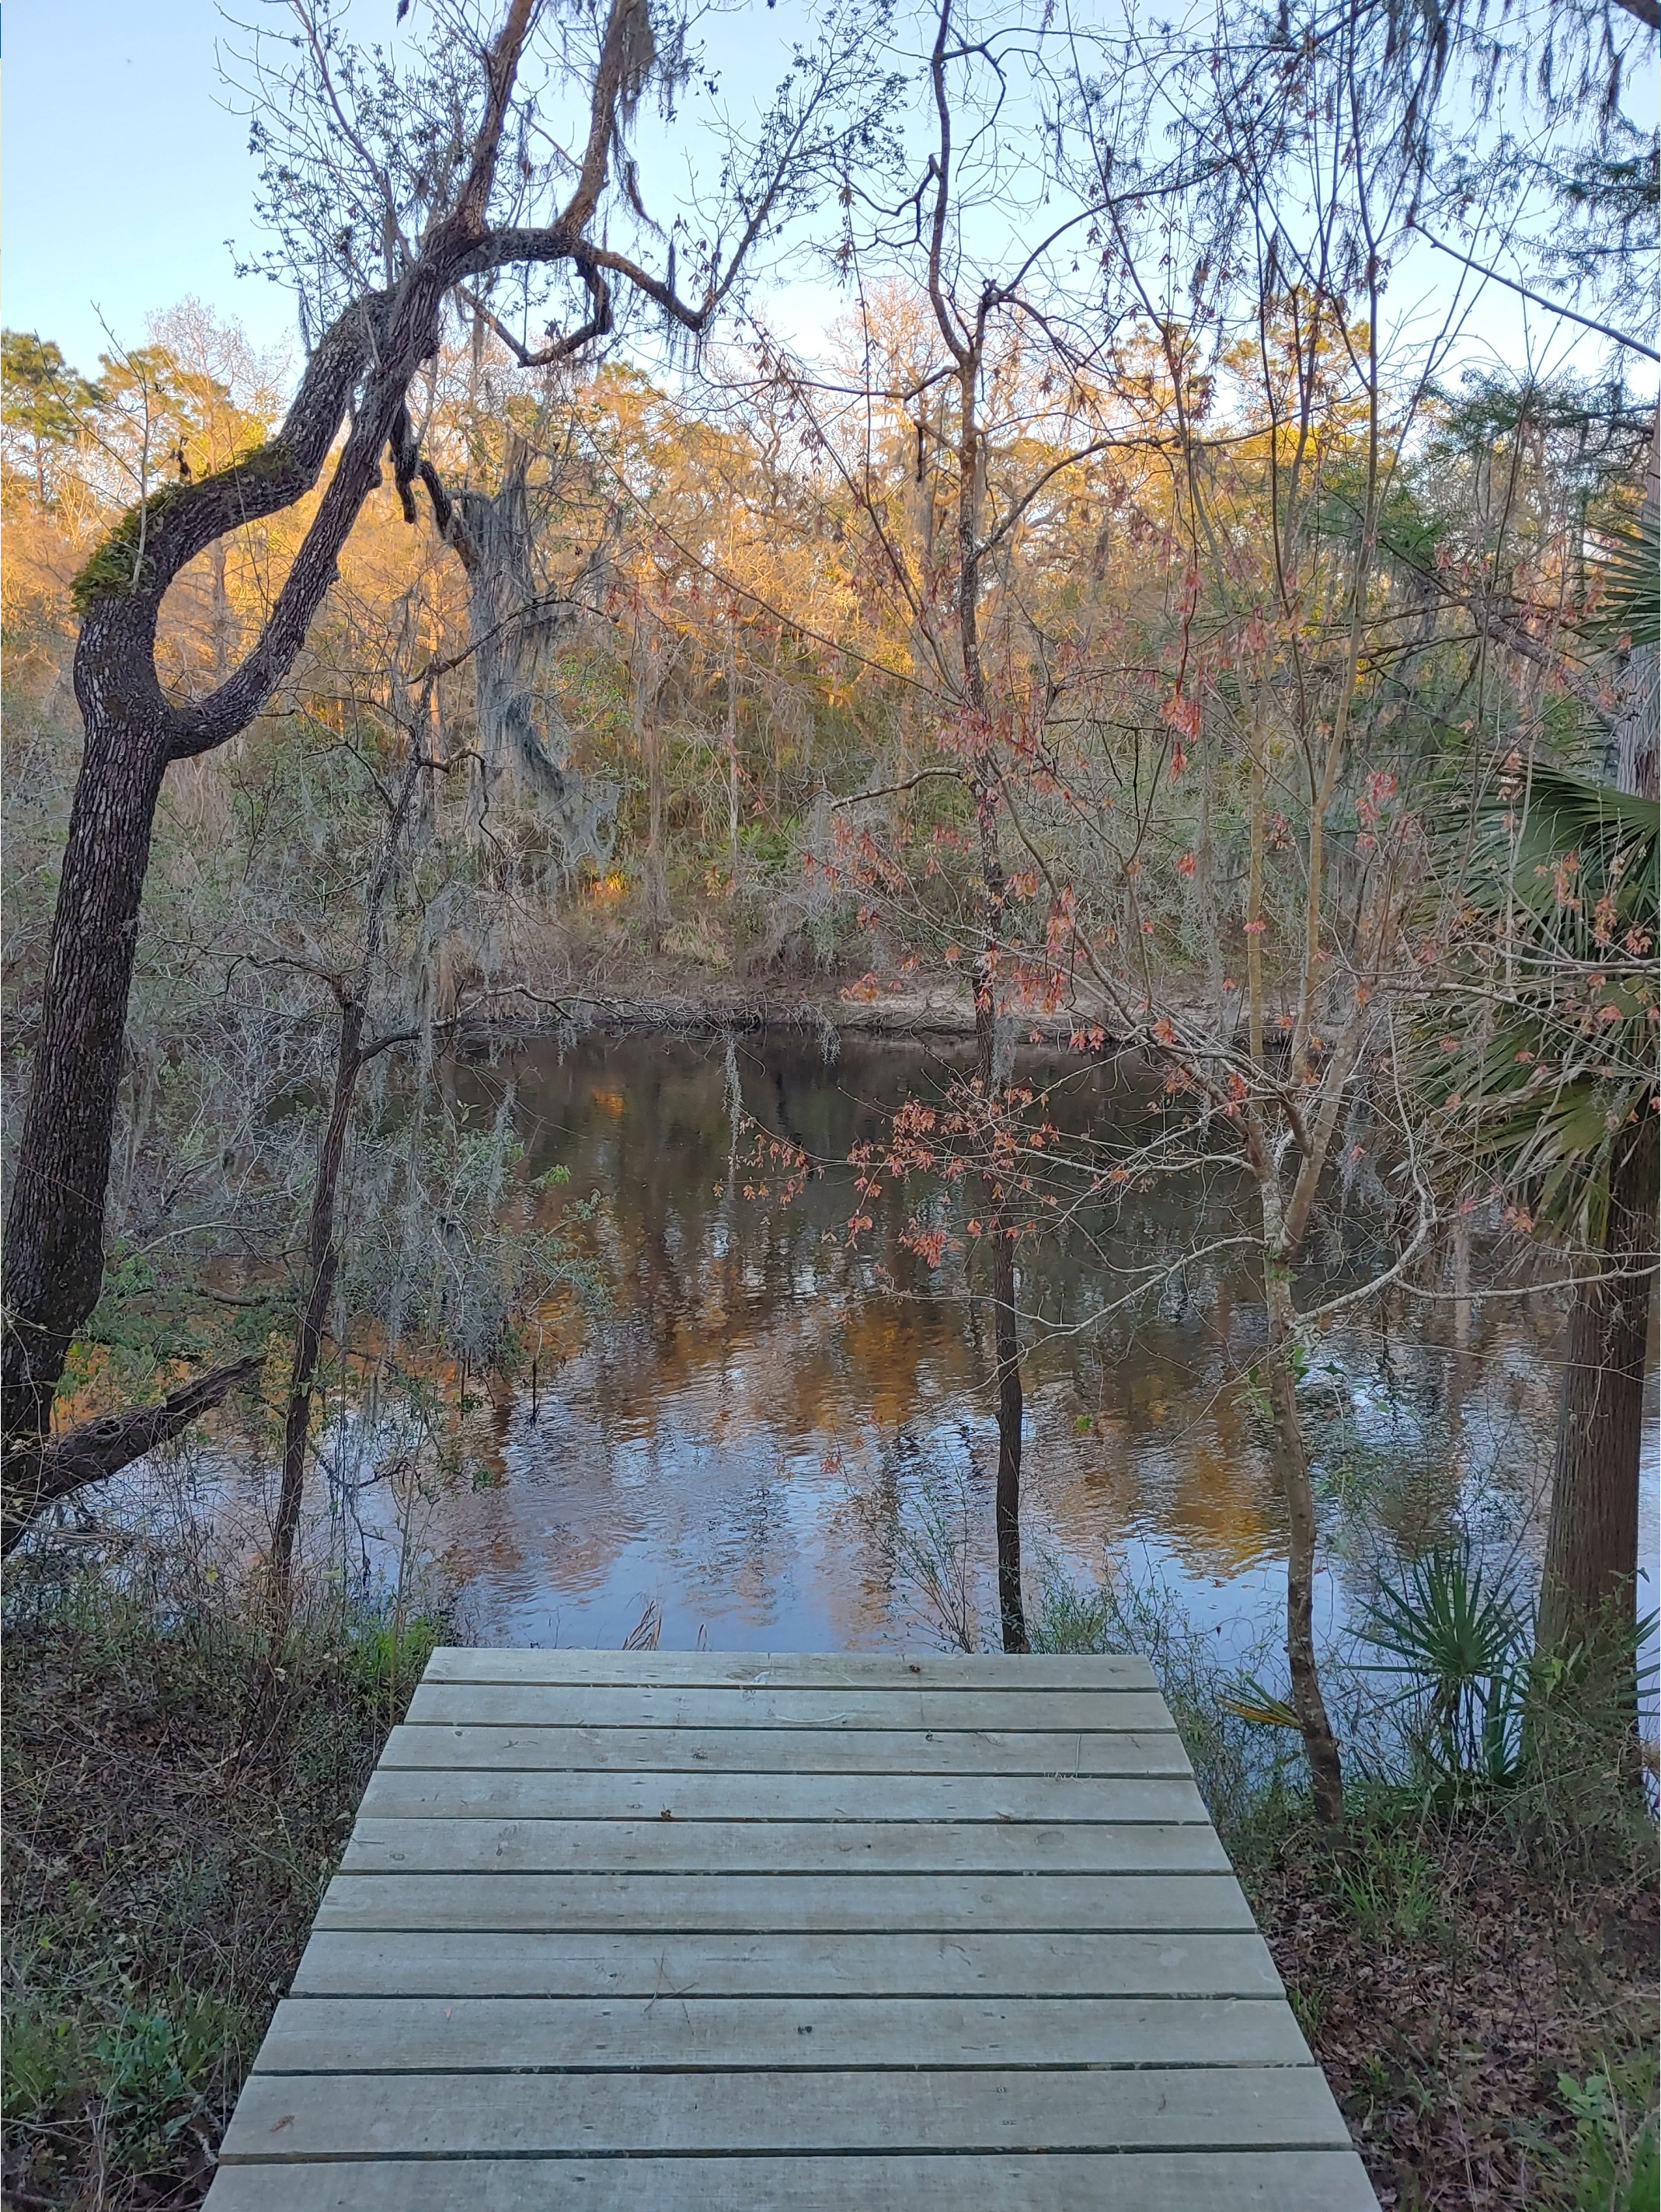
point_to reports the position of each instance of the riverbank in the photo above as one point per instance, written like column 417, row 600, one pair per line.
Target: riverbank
column 638, row 995
column 1484, row 2007
column 692, row 1007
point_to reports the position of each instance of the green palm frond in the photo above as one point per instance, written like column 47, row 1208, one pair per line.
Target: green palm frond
column 1458, row 1644
column 1251, row 1701
column 1629, row 608
column 1446, row 1624
column 1539, row 817
column 1538, row 1065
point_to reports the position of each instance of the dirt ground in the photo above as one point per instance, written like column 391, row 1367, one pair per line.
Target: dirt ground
column 1460, row 2000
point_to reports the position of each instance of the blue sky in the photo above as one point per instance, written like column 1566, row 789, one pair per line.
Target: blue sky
column 125, row 170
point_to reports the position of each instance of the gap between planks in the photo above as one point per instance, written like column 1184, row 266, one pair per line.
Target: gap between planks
column 964, row 1963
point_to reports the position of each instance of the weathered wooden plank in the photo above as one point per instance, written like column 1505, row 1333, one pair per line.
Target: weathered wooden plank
column 1154, row 2181
column 409, row 1794
column 627, row 1963
column 446, row 1749
column 1186, row 1903
column 678, row 1846
column 797, row 1670
column 521, row 2115
column 764, row 1933
column 456, row 2035
column 535, row 1705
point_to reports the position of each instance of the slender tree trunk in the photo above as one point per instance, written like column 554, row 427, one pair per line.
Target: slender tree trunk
column 649, row 670
column 1590, row 1580
column 1462, row 1302
column 1291, row 1460
column 1011, row 1606
column 992, row 1074
column 658, row 915
column 732, row 751
column 54, row 1261
column 992, row 1056
column 1287, row 1450
column 322, row 1260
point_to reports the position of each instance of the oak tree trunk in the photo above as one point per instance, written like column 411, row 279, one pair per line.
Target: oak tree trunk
column 54, row 1261
column 358, row 375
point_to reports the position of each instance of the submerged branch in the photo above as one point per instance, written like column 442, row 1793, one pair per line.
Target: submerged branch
column 97, row 1449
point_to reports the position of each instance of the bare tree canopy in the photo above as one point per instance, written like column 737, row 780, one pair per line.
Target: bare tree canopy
column 390, row 198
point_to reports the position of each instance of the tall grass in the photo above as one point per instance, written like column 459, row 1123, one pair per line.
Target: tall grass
column 1244, row 1771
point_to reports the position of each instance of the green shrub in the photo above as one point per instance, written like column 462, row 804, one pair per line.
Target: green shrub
column 1613, row 2165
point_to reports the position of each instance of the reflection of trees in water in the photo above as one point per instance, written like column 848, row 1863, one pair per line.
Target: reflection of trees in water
column 1420, row 1441
column 749, row 1350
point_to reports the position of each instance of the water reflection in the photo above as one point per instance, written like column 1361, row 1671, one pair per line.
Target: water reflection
column 756, row 1434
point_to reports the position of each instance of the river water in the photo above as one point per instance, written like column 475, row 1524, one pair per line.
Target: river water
column 771, row 1440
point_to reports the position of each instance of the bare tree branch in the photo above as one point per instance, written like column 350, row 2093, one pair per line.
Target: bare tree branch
column 96, row 1449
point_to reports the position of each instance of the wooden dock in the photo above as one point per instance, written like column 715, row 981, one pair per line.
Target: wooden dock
column 695, row 1932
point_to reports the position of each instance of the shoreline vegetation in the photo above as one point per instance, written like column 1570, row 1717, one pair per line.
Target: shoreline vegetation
column 1127, row 622
column 1473, row 1968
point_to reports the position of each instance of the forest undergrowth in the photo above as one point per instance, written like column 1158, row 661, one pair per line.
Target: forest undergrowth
column 172, row 1819
column 1471, row 1960
column 1473, row 1971
column 1484, row 2013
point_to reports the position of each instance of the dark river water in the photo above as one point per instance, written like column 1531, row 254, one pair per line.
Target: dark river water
column 769, row 1440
